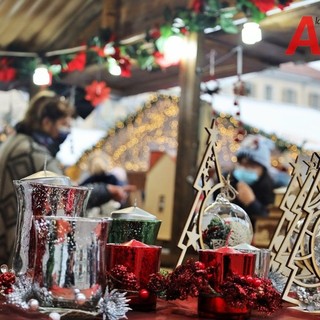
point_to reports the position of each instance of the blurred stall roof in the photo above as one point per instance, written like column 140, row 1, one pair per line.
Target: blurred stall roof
column 44, row 26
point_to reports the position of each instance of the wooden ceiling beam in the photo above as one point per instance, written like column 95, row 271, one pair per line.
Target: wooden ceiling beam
column 110, row 16
column 59, row 31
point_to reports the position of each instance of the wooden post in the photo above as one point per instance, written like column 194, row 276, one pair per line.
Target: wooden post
column 110, row 14
column 188, row 136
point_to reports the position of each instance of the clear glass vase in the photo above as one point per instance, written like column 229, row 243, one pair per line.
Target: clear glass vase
column 70, row 261
column 38, row 199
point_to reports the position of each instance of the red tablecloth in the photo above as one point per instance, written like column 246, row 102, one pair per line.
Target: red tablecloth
column 177, row 310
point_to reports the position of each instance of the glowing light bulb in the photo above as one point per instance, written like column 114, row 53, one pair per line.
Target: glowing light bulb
column 114, row 68
column 173, row 49
column 41, row 76
column 251, row 33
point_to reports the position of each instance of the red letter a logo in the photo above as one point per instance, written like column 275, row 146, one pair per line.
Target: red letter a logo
column 311, row 42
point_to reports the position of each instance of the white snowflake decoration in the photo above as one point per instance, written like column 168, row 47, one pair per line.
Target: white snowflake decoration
column 114, row 305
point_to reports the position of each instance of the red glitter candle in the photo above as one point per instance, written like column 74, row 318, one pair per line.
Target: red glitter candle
column 226, row 261
column 140, row 259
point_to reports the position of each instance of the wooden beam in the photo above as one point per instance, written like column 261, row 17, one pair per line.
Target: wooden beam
column 110, row 16
column 188, row 136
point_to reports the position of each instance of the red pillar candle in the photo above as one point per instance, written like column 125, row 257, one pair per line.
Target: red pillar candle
column 225, row 262
column 140, row 259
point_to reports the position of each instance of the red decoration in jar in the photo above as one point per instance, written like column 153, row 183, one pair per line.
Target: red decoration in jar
column 139, row 259
column 225, row 262
column 96, row 92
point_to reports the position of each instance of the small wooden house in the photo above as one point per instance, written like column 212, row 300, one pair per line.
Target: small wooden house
column 159, row 191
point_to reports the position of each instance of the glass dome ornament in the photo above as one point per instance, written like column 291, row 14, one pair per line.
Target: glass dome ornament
column 224, row 224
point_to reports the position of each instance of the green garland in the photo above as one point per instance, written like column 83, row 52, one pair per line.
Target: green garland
column 202, row 14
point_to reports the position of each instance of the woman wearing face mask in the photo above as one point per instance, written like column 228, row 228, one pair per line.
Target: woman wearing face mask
column 35, row 144
column 251, row 176
column 38, row 136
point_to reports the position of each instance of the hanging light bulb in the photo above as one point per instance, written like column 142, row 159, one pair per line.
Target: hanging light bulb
column 173, row 49
column 41, row 76
column 251, row 33
column 114, row 67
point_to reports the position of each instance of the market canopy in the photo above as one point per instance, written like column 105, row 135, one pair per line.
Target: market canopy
column 42, row 29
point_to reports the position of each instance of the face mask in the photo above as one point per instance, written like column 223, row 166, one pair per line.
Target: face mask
column 63, row 134
column 54, row 146
column 247, row 176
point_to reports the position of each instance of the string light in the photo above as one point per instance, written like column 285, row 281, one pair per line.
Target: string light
column 173, row 49
column 113, row 67
column 251, row 33
column 155, row 126
column 41, row 76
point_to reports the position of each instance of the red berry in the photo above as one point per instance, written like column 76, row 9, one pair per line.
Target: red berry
column 144, row 294
column 200, row 265
column 257, row 282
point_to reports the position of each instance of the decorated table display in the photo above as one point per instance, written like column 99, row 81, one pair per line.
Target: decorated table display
column 66, row 267
column 42, row 194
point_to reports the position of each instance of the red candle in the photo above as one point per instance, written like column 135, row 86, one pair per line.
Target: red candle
column 226, row 261
column 140, row 259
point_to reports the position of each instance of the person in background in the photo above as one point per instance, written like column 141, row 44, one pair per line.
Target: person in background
column 30, row 149
column 251, row 176
column 37, row 138
column 100, row 174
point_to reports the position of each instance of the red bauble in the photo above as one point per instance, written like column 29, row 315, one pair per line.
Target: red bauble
column 144, row 294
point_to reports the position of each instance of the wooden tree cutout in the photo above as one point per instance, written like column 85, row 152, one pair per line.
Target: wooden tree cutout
column 291, row 205
column 191, row 234
column 292, row 255
column 304, row 270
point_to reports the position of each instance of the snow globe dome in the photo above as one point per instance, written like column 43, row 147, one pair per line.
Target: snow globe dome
column 225, row 224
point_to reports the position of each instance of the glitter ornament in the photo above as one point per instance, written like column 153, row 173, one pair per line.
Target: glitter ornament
column 80, row 298
column 22, row 292
column 54, row 316
column 278, row 280
column 114, row 305
column 43, row 295
column 33, row 304
column 224, row 223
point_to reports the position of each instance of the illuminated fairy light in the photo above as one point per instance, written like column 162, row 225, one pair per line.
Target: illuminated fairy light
column 41, row 76
column 251, row 33
column 130, row 142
